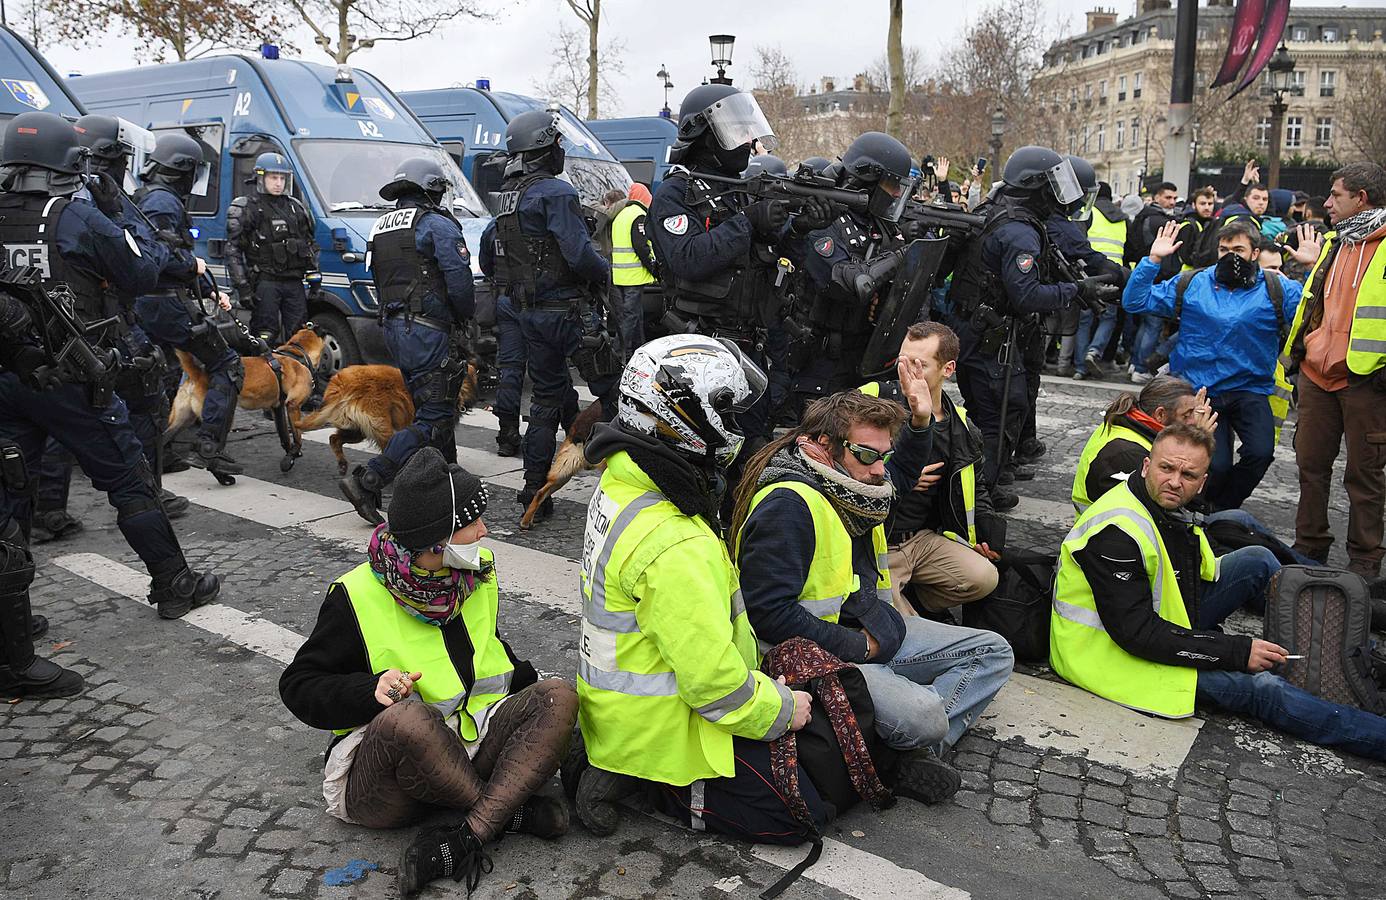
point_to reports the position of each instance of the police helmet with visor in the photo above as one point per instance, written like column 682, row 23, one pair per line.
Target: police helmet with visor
column 880, row 162
column 42, row 155
column 1040, row 170
column 1081, row 209
column 177, row 161
column 272, row 163
column 418, row 174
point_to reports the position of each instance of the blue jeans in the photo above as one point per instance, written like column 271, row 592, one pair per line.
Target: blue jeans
column 1247, row 520
column 1242, row 578
column 1087, row 339
column 1147, row 337
column 939, row 682
column 1248, row 415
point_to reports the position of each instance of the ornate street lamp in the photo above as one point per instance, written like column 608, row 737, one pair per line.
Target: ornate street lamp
column 998, row 131
column 1282, row 68
column 663, row 75
column 721, row 55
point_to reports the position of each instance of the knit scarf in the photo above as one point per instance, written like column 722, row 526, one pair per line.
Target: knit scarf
column 860, row 506
column 1359, row 227
column 432, row 597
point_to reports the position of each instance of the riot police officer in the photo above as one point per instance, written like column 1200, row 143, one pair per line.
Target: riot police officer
column 269, row 236
column 423, row 276
column 833, row 257
column 1008, row 278
column 719, row 264
column 173, row 314
column 77, row 249
column 541, row 255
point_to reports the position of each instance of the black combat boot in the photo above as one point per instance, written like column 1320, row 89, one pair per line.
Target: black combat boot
column 508, row 440
column 921, row 775
column 599, row 793
column 442, row 852
column 53, row 525
column 178, row 590
column 527, row 494
column 362, row 489
column 25, row 674
column 212, row 457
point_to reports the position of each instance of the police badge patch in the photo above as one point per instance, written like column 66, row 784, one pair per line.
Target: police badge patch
column 824, row 246
column 1025, row 262
column 463, row 252
column 676, row 224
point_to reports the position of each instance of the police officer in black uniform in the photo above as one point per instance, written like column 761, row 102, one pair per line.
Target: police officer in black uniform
column 173, row 314
column 79, row 248
column 833, row 257
column 423, row 277
column 269, row 236
column 719, row 265
column 1008, row 278
column 541, row 255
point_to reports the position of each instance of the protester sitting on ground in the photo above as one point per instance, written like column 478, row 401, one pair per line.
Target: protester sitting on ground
column 1139, row 599
column 1230, row 323
column 431, row 708
column 809, row 537
column 942, row 533
column 667, row 665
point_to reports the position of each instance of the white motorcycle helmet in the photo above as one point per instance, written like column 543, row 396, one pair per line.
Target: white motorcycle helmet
column 686, row 390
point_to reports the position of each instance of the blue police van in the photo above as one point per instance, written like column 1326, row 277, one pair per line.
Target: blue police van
column 470, row 124
column 345, row 133
column 28, row 83
column 641, row 143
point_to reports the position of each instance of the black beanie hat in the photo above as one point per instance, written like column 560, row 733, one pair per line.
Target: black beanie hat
column 422, row 511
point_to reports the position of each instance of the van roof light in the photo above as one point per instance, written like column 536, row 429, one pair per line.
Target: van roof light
column 343, row 74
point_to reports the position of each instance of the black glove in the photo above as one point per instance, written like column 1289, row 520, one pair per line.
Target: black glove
column 105, row 193
column 767, row 217
column 31, row 365
column 245, row 295
column 815, row 213
column 1096, row 292
column 913, row 229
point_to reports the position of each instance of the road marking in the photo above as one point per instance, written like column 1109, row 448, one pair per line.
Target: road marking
column 858, row 873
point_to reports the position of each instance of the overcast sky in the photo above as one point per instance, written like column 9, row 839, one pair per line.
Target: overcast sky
column 823, row 37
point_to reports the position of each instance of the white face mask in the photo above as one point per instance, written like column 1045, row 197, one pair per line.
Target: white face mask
column 463, row 556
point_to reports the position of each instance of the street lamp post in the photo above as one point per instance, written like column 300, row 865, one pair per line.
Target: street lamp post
column 998, row 131
column 1282, row 68
column 663, row 75
column 721, row 55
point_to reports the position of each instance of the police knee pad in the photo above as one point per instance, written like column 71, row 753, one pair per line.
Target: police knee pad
column 433, row 388
column 138, row 498
column 16, row 566
column 236, row 372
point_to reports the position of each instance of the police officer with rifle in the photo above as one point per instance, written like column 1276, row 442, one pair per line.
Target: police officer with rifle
column 58, row 364
column 423, row 276
column 180, row 312
column 272, row 253
column 541, row 254
column 1009, row 278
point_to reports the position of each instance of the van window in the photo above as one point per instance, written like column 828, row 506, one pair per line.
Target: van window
column 641, row 170
column 210, row 135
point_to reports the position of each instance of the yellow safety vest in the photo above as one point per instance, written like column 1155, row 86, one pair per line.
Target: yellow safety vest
column 967, row 477
column 1367, row 339
column 830, row 579
column 1107, row 237
column 395, row 639
column 667, row 661
column 1080, row 649
column 626, row 268
column 1100, row 438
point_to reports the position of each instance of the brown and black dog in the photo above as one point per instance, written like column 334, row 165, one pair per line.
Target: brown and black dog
column 370, row 402
column 261, row 388
column 568, row 461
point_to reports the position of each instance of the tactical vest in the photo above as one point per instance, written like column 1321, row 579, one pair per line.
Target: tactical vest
column 1081, row 651
column 1100, row 438
column 395, row 639
column 28, row 224
column 520, row 257
column 626, row 268
column 831, row 314
column 403, row 276
column 1107, row 237
column 974, row 284
column 277, row 247
column 740, row 296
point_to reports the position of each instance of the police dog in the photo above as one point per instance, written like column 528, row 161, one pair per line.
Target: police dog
column 568, row 461
column 370, row 402
column 261, row 389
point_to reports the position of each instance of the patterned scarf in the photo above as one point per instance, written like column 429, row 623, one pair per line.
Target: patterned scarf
column 432, row 597
column 860, row 506
column 1359, row 227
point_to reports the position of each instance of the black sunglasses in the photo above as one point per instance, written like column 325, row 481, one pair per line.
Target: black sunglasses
column 868, row 455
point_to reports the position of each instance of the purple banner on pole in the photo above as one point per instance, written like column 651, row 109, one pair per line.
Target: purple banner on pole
column 1272, row 30
column 1246, row 22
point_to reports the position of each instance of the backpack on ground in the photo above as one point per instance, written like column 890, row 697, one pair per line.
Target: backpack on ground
column 1226, row 535
column 1018, row 609
column 1325, row 616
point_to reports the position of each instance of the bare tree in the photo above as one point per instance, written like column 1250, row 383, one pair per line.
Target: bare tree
column 342, row 27
column 569, row 77
column 1362, row 115
column 589, row 12
column 895, row 61
column 35, row 20
column 916, row 70
column 184, row 29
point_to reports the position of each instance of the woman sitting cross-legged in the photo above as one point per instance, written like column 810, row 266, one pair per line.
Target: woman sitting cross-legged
column 431, row 709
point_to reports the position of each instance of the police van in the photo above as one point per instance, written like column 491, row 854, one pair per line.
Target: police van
column 641, row 143
column 470, row 124
column 29, row 84
column 343, row 130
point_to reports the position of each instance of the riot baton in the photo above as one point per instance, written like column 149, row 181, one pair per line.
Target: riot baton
column 1012, row 335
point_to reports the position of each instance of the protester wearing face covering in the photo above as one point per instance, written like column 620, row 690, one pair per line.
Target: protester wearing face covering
column 430, row 707
column 1229, row 337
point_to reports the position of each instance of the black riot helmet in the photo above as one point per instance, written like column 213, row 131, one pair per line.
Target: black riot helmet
column 717, row 124
column 1081, row 209
column 416, row 175
column 177, row 162
column 42, row 155
column 816, row 164
column 766, row 162
column 112, row 142
column 534, row 138
column 1040, row 172
column 877, row 161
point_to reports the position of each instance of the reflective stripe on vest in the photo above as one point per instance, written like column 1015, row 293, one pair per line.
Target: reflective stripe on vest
column 626, row 267
column 1080, row 648
column 1100, row 438
column 1367, row 340
column 1107, row 237
column 395, row 639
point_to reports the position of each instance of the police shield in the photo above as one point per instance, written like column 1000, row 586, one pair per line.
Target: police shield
column 906, row 304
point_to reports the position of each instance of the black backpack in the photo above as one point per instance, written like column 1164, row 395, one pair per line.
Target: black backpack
column 1226, row 535
column 1018, row 609
column 1325, row 616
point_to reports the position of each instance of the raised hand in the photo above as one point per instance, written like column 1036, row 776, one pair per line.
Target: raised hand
column 915, row 387
column 1166, row 242
column 1310, row 245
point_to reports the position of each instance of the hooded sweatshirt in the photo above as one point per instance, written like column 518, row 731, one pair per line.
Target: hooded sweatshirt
column 1325, row 348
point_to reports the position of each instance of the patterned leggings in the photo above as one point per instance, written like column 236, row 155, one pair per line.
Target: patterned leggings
column 410, row 761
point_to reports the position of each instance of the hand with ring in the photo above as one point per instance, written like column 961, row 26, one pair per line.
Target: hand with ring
column 394, row 685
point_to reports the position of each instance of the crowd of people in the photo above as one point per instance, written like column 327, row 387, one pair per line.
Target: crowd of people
column 793, row 513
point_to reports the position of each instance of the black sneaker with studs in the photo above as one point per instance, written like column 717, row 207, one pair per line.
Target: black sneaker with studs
column 445, row 851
